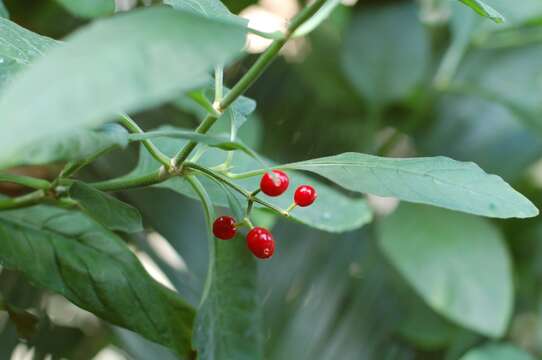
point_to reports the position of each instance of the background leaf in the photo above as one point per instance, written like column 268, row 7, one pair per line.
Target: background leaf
column 208, row 8
column 18, row 48
column 68, row 253
column 105, row 209
column 436, row 181
column 497, row 352
column 71, row 146
column 442, row 254
column 484, row 9
column 148, row 58
column 3, row 10
column 376, row 65
column 89, row 8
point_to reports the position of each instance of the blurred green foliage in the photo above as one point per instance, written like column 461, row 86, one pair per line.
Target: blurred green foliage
column 391, row 77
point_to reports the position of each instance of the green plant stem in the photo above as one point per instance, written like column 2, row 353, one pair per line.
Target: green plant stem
column 23, row 201
column 247, row 174
column 131, row 183
column 211, row 174
column 132, row 126
column 204, row 197
column 255, row 71
column 27, row 181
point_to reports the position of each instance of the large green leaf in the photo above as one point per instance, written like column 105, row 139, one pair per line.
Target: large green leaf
column 458, row 264
column 348, row 213
column 107, row 210
column 387, row 67
column 67, row 252
column 497, row 352
column 70, row 146
column 229, row 317
column 438, row 181
column 208, row 8
column 149, row 57
column 18, row 48
column 484, row 9
column 89, row 8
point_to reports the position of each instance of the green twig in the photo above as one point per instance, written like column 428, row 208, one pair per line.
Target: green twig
column 250, row 77
column 132, row 126
column 23, row 201
column 27, row 181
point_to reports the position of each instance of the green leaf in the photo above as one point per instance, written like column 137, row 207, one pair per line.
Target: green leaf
column 470, row 128
column 228, row 323
column 497, row 352
column 437, row 181
column 18, row 48
column 348, row 213
column 73, row 145
column 388, row 67
column 3, row 10
column 105, row 209
column 213, row 9
column 457, row 263
column 315, row 20
column 484, row 9
column 68, row 253
column 220, row 142
column 89, row 8
column 149, row 57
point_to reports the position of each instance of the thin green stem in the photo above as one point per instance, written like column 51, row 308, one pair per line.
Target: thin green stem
column 246, row 175
column 250, row 77
column 219, row 83
column 23, row 201
column 27, row 181
column 211, row 174
column 204, row 197
column 125, row 183
column 132, row 126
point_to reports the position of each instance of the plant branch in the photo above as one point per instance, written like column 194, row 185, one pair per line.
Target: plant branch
column 132, row 126
column 250, row 196
column 27, row 181
column 23, row 201
column 250, row 77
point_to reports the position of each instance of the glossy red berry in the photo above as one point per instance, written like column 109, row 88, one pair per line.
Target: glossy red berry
column 224, row 227
column 261, row 243
column 305, row 195
column 274, row 185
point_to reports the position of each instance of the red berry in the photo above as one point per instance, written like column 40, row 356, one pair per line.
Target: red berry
column 274, row 185
column 261, row 243
column 224, row 227
column 305, row 195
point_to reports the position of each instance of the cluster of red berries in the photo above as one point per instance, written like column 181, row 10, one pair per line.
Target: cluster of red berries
column 259, row 240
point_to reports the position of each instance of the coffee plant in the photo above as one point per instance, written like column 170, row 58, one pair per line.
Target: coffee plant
column 351, row 190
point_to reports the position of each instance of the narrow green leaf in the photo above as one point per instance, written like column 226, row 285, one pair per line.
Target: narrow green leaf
column 105, row 209
column 221, row 142
column 3, row 10
column 18, row 48
column 149, row 57
column 437, row 181
column 457, row 263
column 214, row 9
column 68, row 253
column 73, row 145
column 388, row 67
column 484, row 9
column 228, row 322
column 348, row 213
column 321, row 15
column 89, row 8
column 502, row 351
